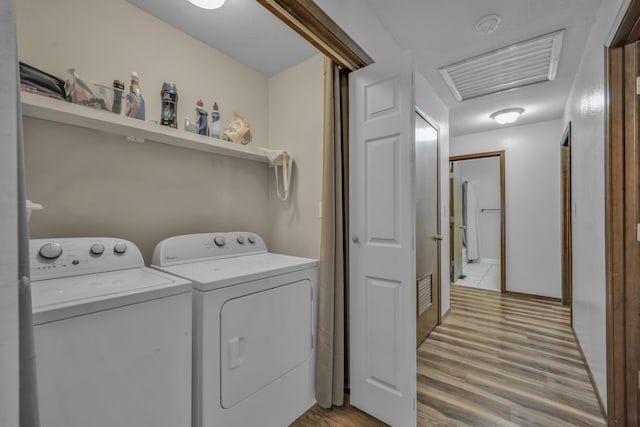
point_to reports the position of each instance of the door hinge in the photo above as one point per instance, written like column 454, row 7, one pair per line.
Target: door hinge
column 637, row 85
column 638, row 232
column 452, row 175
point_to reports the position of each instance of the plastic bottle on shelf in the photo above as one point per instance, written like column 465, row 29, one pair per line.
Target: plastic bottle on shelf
column 203, row 127
column 215, row 121
column 190, row 127
column 169, row 109
column 118, row 89
column 135, row 102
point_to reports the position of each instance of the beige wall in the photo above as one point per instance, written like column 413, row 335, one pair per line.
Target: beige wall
column 95, row 184
column 107, row 39
column 296, row 97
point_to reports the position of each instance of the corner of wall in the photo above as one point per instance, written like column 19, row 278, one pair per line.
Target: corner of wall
column 296, row 125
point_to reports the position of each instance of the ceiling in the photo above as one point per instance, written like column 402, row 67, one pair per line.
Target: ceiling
column 242, row 29
column 438, row 32
column 443, row 32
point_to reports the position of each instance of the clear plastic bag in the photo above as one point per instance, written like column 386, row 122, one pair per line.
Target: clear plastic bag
column 78, row 92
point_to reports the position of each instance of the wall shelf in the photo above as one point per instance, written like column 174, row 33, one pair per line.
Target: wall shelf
column 41, row 107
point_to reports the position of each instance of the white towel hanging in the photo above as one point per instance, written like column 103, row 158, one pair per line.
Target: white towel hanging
column 284, row 160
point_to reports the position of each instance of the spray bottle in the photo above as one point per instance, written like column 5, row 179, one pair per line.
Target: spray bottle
column 135, row 102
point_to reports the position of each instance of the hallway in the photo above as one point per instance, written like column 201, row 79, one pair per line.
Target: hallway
column 495, row 361
column 503, row 361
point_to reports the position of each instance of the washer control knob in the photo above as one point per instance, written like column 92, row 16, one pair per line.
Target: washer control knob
column 50, row 250
column 120, row 248
column 219, row 241
column 97, row 249
column 251, row 239
column 240, row 239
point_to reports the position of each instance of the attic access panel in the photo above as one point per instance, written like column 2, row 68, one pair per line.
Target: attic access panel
column 521, row 64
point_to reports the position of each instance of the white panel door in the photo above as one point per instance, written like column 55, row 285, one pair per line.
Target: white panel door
column 382, row 257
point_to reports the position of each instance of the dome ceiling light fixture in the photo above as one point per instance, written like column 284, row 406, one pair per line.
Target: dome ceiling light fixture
column 488, row 25
column 507, row 116
column 207, row 4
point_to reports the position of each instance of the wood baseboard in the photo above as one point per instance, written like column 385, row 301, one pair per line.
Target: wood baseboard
column 531, row 296
column 445, row 315
column 603, row 408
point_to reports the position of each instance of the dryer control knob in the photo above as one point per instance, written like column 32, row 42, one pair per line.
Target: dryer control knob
column 50, row 250
column 219, row 241
column 120, row 247
column 240, row 240
column 251, row 239
column 97, row 249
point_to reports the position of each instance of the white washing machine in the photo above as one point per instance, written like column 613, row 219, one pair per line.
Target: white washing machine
column 254, row 326
column 113, row 338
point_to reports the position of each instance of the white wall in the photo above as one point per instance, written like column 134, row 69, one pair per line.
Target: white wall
column 296, row 125
column 484, row 176
column 533, row 199
column 585, row 110
column 362, row 25
column 9, row 364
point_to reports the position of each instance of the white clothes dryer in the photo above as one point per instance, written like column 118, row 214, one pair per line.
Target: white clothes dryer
column 254, row 328
column 112, row 337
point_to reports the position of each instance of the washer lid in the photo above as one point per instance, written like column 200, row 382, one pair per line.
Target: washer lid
column 60, row 298
column 219, row 273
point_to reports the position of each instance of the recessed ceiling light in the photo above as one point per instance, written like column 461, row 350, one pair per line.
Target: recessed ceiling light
column 505, row 117
column 488, row 24
column 207, row 4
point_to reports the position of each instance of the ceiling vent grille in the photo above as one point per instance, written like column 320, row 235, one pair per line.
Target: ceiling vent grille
column 521, row 64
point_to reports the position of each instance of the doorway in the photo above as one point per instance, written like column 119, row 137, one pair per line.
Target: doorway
column 428, row 237
column 477, row 222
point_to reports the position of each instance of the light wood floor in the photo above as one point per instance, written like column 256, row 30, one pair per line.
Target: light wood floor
column 496, row 361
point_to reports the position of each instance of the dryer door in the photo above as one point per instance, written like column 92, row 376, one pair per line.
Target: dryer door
column 262, row 337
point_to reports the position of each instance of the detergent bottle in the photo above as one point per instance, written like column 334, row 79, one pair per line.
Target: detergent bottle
column 135, row 102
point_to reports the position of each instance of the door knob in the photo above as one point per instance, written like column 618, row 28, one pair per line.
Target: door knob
column 355, row 239
column 438, row 237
